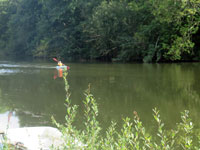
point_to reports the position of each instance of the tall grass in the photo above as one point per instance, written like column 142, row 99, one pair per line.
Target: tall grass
column 132, row 136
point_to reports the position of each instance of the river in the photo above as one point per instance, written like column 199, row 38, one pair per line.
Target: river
column 30, row 95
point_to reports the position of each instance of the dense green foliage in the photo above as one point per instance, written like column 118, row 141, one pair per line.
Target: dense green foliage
column 124, row 30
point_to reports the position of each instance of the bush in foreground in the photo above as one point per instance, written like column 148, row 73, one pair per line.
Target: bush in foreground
column 133, row 135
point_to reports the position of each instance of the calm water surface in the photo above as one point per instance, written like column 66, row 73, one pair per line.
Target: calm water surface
column 30, row 94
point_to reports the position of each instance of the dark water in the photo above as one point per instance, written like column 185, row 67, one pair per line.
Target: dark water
column 29, row 92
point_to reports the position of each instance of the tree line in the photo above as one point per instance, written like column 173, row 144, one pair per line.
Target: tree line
column 111, row 30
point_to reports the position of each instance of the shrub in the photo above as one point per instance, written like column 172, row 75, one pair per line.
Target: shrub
column 133, row 135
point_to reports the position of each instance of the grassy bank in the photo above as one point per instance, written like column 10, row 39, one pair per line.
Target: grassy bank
column 132, row 135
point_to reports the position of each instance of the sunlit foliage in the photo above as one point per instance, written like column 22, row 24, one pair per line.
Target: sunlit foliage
column 127, row 30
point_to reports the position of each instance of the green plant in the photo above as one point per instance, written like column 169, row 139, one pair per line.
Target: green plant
column 133, row 134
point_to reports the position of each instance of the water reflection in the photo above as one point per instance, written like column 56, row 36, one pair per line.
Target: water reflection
column 8, row 71
column 120, row 89
column 23, row 89
column 8, row 120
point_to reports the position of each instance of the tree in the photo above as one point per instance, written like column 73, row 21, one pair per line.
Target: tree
column 183, row 17
column 22, row 28
column 110, row 31
column 127, row 30
column 7, row 8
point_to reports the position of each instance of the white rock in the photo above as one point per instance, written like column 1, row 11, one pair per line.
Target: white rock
column 35, row 138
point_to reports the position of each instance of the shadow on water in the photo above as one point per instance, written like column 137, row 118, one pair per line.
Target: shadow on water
column 29, row 90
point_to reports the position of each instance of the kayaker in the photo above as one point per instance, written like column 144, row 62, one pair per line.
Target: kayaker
column 61, row 67
column 60, row 63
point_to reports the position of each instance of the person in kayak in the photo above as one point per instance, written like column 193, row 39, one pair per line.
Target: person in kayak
column 60, row 68
column 64, row 66
column 60, row 63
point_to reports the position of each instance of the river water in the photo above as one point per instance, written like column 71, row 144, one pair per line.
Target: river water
column 29, row 94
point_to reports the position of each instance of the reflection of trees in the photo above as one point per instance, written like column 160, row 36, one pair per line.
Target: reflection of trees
column 180, row 93
column 34, row 97
column 119, row 89
column 3, row 107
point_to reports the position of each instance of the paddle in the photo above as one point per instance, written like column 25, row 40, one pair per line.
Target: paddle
column 55, row 59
